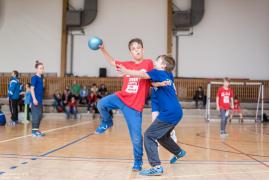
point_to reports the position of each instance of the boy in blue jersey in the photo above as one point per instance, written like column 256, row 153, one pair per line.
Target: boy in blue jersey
column 37, row 99
column 170, row 113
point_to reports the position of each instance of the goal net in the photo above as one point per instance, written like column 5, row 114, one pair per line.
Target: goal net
column 250, row 95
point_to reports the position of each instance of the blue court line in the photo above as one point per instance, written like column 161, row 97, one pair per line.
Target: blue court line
column 64, row 146
column 13, row 167
column 53, row 150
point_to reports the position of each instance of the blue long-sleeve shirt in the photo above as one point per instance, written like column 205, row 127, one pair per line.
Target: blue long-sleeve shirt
column 14, row 89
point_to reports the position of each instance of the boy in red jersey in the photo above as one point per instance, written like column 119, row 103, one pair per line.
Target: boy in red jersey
column 130, row 100
column 224, row 102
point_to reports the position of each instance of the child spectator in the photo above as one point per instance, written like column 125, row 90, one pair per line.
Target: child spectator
column 102, row 91
column 75, row 89
column 92, row 101
column 199, row 96
column 21, row 98
column 72, row 108
column 94, row 88
column 27, row 103
column 58, row 105
column 2, row 117
column 236, row 110
column 13, row 96
column 66, row 97
column 83, row 95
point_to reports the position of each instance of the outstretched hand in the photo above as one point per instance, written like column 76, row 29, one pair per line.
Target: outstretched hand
column 102, row 47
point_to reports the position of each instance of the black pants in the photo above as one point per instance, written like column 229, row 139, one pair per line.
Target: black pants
column 36, row 116
column 159, row 131
column 13, row 106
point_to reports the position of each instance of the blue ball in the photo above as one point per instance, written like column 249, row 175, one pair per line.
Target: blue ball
column 94, row 43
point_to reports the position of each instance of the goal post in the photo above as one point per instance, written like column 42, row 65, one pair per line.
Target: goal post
column 255, row 88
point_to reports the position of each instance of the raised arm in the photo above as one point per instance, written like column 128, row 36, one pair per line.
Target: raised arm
column 135, row 73
column 107, row 56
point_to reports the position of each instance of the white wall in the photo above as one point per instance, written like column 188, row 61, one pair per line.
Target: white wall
column 30, row 30
column 231, row 40
column 117, row 22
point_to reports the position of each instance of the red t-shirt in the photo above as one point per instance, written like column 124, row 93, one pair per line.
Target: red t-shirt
column 135, row 90
column 225, row 96
column 236, row 104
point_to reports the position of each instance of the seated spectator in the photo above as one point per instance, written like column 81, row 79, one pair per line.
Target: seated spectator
column 236, row 110
column 199, row 96
column 66, row 97
column 83, row 95
column 75, row 89
column 72, row 108
column 92, row 102
column 102, row 91
column 2, row 117
column 94, row 89
column 58, row 105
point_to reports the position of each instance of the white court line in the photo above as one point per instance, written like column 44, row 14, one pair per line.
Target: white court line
column 211, row 174
column 51, row 130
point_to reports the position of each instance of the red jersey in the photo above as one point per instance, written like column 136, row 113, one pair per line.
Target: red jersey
column 72, row 104
column 225, row 96
column 236, row 104
column 135, row 90
column 92, row 99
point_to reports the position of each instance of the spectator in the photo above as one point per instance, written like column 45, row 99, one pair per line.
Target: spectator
column 83, row 95
column 199, row 96
column 13, row 96
column 58, row 104
column 72, row 108
column 21, row 98
column 236, row 110
column 66, row 97
column 27, row 102
column 102, row 91
column 75, row 89
column 2, row 117
column 92, row 101
column 94, row 89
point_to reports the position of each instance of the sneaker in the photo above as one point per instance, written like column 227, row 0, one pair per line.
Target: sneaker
column 180, row 155
column 37, row 134
column 154, row 171
column 224, row 134
column 137, row 166
column 12, row 123
column 103, row 127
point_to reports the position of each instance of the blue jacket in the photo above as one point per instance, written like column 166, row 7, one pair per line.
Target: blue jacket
column 14, row 89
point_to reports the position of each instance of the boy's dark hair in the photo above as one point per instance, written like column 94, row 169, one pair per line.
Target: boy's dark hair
column 169, row 62
column 37, row 63
column 16, row 73
column 226, row 79
column 137, row 40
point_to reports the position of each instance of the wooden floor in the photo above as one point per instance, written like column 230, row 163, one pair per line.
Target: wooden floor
column 71, row 150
